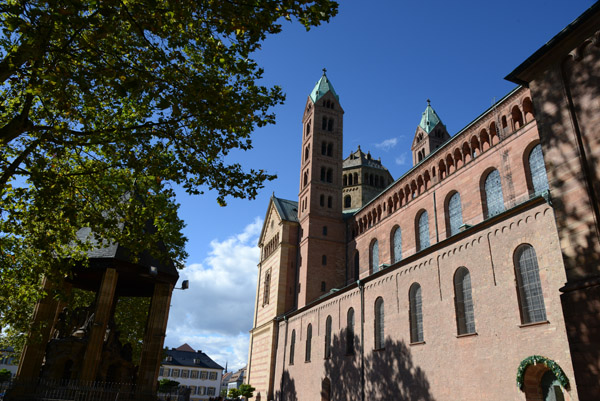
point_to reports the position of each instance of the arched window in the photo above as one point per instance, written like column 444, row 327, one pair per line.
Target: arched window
column 416, row 313
column 328, row 337
column 306, row 152
column 292, row 347
column 324, row 260
column 323, row 148
column 350, row 331
column 329, row 202
column 323, row 173
column 463, row 301
column 330, row 125
column 531, row 298
column 350, row 179
column 267, row 287
column 345, row 180
column 423, row 229
column 537, row 169
column 330, row 149
column 396, row 245
column 494, row 199
column 379, row 328
column 308, row 342
column 347, row 201
column 455, row 219
column 322, row 200
column 308, row 129
column 374, row 257
column 324, row 123
column 306, row 178
column 329, row 175
column 356, row 265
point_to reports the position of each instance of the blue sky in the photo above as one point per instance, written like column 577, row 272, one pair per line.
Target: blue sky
column 385, row 58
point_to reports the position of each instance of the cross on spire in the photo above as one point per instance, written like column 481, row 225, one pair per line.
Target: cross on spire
column 324, row 71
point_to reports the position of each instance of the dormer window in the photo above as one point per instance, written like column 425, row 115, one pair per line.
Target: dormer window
column 168, row 358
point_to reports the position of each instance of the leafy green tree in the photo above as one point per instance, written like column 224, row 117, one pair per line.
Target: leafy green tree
column 233, row 393
column 105, row 105
column 167, row 385
column 5, row 375
column 246, row 390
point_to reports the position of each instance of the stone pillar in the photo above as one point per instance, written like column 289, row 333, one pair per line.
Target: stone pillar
column 153, row 341
column 104, row 308
column 35, row 348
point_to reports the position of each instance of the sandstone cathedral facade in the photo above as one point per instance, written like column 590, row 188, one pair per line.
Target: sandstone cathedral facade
column 474, row 276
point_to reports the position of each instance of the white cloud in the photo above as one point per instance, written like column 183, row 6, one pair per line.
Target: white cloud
column 387, row 144
column 215, row 313
column 402, row 159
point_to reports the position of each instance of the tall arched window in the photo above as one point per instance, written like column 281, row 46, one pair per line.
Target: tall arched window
column 330, row 149
column 375, row 257
column 416, row 313
column 379, row 327
column 308, row 343
column 396, row 245
column 324, row 124
column 531, row 298
column 323, row 173
column 356, row 265
column 537, row 169
column 455, row 219
column 308, row 128
column 267, row 287
column 329, row 175
column 328, row 337
column 423, row 227
column 350, row 331
column 292, row 347
column 494, row 199
column 463, row 300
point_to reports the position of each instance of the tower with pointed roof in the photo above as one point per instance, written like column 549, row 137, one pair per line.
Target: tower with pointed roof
column 322, row 231
column 431, row 133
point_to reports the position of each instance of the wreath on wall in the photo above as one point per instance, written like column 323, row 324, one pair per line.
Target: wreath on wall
column 549, row 363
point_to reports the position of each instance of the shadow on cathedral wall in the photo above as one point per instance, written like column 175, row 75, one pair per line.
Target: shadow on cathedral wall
column 390, row 373
column 289, row 389
column 555, row 119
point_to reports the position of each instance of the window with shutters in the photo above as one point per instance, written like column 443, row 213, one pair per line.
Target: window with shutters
column 328, row 337
column 350, row 331
column 308, row 343
column 463, row 301
column 537, row 169
column 423, row 230
column 379, row 326
column 396, row 245
column 455, row 219
column 375, row 257
column 531, row 298
column 416, row 314
column 494, row 199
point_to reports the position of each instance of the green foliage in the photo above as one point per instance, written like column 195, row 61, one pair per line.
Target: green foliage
column 5, row 375
column 246, row 390
column 549, row 363
column 233, row 393
column 104, row 106
column 166, row 385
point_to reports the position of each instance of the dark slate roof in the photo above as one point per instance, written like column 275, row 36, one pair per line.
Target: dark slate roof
column 359, row 158
column 116, row 251
column 287, row 209
column 192, row 359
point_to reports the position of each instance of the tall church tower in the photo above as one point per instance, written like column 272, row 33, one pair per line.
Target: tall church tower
column 430, row 135
column 322, row 232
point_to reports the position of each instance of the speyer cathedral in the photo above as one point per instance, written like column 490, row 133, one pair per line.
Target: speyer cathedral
column 474, row 276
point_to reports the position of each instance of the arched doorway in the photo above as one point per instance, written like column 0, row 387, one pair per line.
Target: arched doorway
column 326, row 390
column 542, row 379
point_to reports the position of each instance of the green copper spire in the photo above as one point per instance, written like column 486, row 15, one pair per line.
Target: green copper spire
column 429, row 119
column 322, row 87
